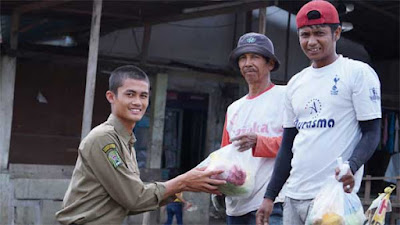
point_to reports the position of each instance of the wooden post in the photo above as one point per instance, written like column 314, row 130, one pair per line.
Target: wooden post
column 396, row 211
column 8, row 66
column 1, row 36
column 158, row 101
column 91, row 68
column 287, row 46
column 154, row 149
column 7, row 81
column 398, row 189
column 262, row 20
column 14, row 31
column 214, row 101
column 249, row 20
column 145, row 43
column 234, row 32
column 367, row 191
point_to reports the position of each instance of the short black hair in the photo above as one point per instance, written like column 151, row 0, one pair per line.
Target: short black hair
column 333, row 26
column 125, row 72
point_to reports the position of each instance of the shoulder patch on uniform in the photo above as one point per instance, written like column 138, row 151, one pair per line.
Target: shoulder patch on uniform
column 112, row 155
column 108, row 147
column 114, row 158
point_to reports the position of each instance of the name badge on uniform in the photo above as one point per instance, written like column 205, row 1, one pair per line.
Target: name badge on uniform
column 112, row 155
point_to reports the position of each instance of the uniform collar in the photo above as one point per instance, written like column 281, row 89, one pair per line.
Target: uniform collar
column 121, row 130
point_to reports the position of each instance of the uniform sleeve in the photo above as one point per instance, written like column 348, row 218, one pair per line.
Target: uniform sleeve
column 366, row 94
column 225, row 135
column 122, row 184
column 267, row 146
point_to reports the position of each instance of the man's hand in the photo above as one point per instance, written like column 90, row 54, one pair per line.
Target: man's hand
column 198, row 180
column 263, row 213
column 347, row 180
column 195, row 180
column 187, row 205
column 245, row 141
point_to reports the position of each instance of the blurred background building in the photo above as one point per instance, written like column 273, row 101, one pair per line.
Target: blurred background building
column 56, row 57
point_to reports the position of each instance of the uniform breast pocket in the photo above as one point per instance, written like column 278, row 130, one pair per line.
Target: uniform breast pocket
column 132, row 165
column 135, row 169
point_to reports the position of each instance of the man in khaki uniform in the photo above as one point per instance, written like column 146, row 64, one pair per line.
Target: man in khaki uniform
column 105, row 185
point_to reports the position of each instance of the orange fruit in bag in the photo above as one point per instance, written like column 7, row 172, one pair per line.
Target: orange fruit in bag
column 332, row 219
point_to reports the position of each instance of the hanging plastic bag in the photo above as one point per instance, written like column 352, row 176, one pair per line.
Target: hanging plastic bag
column 377, row 211
column 238, row 173
column 332, row 206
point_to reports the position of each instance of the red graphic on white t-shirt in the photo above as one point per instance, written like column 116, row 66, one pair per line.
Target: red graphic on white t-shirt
column 255, row 128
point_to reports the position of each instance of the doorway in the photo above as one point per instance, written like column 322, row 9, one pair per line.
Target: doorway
column 184, row 130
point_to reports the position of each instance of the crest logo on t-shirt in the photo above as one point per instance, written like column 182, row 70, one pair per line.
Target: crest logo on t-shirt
column 315, row 107
column 374, row 94
column 335, row 90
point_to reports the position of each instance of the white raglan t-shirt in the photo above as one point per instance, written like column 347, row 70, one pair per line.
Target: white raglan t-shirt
column 325, row 105
column 263, row 115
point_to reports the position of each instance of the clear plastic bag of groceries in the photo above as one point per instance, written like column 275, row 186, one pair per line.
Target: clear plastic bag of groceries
column 333, row 206
column 238, row 172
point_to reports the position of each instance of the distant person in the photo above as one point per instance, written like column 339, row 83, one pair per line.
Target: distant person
column 332, row 109
column 176, row 208
column 254, row 123
column 106, row 185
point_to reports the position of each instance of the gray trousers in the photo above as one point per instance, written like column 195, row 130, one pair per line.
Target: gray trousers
column 295, row 211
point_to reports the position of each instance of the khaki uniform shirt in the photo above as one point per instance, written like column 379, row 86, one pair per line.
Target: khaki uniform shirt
column 105, row 185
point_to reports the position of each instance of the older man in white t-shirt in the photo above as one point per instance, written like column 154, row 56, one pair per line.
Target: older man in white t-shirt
column 254, row 123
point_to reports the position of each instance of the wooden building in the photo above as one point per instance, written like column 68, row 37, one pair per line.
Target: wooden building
column 56, row 57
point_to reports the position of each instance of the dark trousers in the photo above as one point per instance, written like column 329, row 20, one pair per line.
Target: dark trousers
column 174, row 208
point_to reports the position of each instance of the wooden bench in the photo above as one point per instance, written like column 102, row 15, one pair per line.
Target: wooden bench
column 395, row 201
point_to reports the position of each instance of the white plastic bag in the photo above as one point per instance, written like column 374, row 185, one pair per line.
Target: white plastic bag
column 333, row 206
column 238, row 173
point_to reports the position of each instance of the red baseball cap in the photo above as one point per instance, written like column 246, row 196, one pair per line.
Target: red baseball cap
column 317, row 12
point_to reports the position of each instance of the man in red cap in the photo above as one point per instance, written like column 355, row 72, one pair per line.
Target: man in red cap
column 332, row 110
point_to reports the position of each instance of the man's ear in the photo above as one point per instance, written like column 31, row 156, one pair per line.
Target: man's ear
column 110, row 96
column 337, row 33
column 271, row 64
